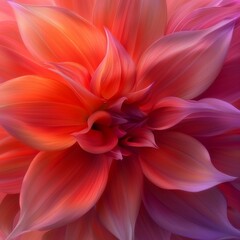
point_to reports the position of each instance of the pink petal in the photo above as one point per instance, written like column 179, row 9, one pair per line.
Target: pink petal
column 176, row 64
column 118, row 208
column 146, row 228
column 201, row 215
column 74, row 179
column 88, row 227
column 41, row 112
column 77, row 40
column 15, row 159
column 180, row 162
column 115, row 76
column 136, row 24
column 56, row 233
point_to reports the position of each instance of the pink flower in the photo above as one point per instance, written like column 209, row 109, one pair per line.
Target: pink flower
column 119, row 119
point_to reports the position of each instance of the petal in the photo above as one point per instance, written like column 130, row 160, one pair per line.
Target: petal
column 40, row 112
column 118, row 208
column 15, row 159
column 115, row 76
column 77, row 40
column 201, row 215
column 136, row 24
column 184, row 64
column 75, row 180
column 181, row 162
column 225, row 152
column 146, row 228
column 56, row 233
column 88, row 227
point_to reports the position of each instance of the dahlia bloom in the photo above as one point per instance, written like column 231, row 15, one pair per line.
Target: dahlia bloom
column 119, row 119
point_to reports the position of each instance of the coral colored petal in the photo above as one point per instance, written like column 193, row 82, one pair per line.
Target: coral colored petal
column 135, row 23
column 115, row 76
column 77, row 40
column 201, row 215
column 180, row 162
column 118, row 208
column 88, row 227
column 184, row 64
column 40, row 112
column 146, row 228
column 15, row 159
column 74, row 179
column 56, row 233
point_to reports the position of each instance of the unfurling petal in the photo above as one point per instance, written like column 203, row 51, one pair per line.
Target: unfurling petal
column 146, row 228
column 115, row 76
column 201, row 215
column 180, row 162
column 176, row 64
column 135, row 23
column 74, row 180
column 40, row 112
column 77, row 40
column 118, row 208
column 15, row 159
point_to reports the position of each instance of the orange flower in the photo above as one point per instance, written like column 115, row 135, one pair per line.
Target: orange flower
column 119, row 119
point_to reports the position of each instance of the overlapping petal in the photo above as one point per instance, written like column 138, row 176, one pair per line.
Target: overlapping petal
column 180, row 162
column 41, row 112
column 74, row 179
column 77, row 39
column 176, row 64
column 201, row 215
column 119, row 205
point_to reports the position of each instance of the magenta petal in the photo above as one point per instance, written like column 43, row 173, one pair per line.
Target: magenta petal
column 74, row 180
column 118, row 208
column 201, row 215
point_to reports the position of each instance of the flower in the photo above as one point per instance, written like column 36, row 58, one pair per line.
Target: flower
column 119, row 119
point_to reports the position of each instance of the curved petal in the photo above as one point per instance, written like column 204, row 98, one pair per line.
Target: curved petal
column 41, row 112
column 201, row 215
column 77, row 40
column 88, row 227
column 115, row 76
column 135, row 23
column 146, row 228
column 181, row 162
column 119, row 205
column 184, row 64
column 15, row 159
column 56, row 233
column 74, row 179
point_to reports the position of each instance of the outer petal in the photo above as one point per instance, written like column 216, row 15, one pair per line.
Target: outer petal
column 181, row 162
column 14, row 162
column 201, row 215
column 77, row 40
column 115, row 76
column 119, row 205
column 74, row 180
column 40, row 112
column 146, row 228
column 184, row 64
column 135, row 23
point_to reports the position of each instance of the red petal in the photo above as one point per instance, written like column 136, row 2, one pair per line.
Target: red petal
column 184, row 64
column 181, row 162
column 77, row 40
column 74, row 179
column 118, row 208
column 201, row 215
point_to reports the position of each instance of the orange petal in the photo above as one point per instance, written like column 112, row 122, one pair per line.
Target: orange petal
column 15, row 159
column 77, row 40
column 60, row 187
column 115, row 76
column 41, row 112
column 135, row 23
column 184, row 64
column 181, row 162
column 118, row 208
